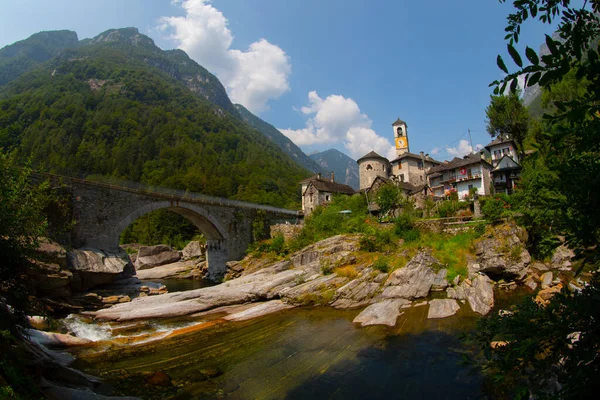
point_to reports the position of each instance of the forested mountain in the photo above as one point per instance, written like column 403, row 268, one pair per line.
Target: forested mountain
column 279, row 139
column 20, row 57
column 117, row 105
column 344, row 168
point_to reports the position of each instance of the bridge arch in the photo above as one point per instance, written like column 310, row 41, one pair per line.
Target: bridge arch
column 207, row 224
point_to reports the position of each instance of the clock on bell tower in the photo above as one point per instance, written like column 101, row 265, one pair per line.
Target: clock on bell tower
column 400, row 136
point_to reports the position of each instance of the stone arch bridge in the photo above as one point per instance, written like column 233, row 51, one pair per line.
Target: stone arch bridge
column 102, row 211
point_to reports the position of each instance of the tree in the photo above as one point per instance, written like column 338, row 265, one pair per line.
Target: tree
column 22, row 223
column 508, row 117
column 388, row 197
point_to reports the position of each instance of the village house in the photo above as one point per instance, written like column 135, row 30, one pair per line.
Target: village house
column 318, row 191
column 506, row 164
column 471, row 173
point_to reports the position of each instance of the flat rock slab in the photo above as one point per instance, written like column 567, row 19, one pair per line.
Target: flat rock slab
column 56, row 339
column 442, row 308
column 259, row 310
column 166, row 271
column 385, row 312
column 480, row 294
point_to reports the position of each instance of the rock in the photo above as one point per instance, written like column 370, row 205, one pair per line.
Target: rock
column 561, row 259
column 234, row 270
column 480, row 294
column 546, row 279
column 180, row 269
column 414, row 280
column 456, row 292
column 456, row 280
column 153, row 256
column 357, row 293
column 339, row 246
column 501, row 254
column 530, row 283
column 259, row 310
column 312, row 292
column 159, row 378
column 546, row 294
column 440, row 282
column 55, row 339
column 442, row 308
column 116, row 299
column 94, row 267
column 52, row 252
column 538, row 267
column 193, row 250
column 37, row 322
column 382, row 313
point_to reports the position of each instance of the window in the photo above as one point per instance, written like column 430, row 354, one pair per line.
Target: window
column 420, row 165
column 421, row 178
column 401, row 177
column 399, row 164
column 469, row 173
column 327, row 198
column 369, row 167
column 470, row 187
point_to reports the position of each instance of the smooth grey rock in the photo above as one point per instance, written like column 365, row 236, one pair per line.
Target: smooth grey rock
column 456, row 292
column 154, row 256
column 414, row 280
column 356, row 293
column 530, row 283
column 94, row 267
column 561, row 259
column 382, row 313
column 181, row 269
column 259, row 310
column 440, row 282
column 193, row 250
column 442, row 308
column 480, row 294
column 55, row 339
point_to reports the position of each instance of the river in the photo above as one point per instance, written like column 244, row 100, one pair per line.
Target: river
column 309, row 352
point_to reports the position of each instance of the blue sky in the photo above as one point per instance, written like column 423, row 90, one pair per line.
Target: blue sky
column 328, row 73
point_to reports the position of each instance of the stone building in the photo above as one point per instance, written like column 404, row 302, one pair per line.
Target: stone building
column 318, row 191
column 407, row 170
column 506, row 163
column 463, row 175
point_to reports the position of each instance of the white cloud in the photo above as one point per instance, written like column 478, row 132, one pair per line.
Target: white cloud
column 462, row 149
column 337, row 118
column 252, row 77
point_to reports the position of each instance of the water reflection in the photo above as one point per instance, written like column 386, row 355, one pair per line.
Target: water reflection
column 298, row 354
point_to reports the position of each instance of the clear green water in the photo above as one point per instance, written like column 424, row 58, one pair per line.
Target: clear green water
column 305, row 353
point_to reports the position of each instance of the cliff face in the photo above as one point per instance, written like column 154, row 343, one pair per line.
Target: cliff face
column 344, row 168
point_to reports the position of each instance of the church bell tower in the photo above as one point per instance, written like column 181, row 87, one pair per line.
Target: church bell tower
column 400, row 136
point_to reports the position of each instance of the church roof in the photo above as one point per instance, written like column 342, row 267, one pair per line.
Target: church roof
column 415, row 156
column 399, row 122
column 371, row 154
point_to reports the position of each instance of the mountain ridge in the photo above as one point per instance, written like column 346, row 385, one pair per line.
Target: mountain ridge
column 344, row 168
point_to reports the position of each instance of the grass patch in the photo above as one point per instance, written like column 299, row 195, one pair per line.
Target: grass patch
column 349, row 271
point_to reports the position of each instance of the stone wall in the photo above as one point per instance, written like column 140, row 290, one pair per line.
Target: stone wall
column 288, row 231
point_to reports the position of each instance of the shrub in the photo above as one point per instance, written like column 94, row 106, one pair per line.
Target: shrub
column 495, row 208
column 326, row 267
column 411, row 235
column 479, row 229
column 347, row 272
column 382, row 264
column 447, row 208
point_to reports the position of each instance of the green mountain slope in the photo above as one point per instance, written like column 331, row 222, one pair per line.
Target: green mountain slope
column 22, row 56
column 116, row 106
column 278, row 138
column 344, row 168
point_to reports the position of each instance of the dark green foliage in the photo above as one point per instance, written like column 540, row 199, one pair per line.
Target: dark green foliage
column 496, row 208
column 22, row 222
column 507, row 116
column 546, row 346
column 141, row 124
column 327, row 221
column 382, row 264
column 160, row 227
column 388, row 197
column 259, row 226
column 405, row 228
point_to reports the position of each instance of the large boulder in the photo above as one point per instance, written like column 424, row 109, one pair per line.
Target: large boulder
column 93, row 267
column 501, row 254
column 561, row 259
column 415, row 279
column 332, row 249
column 193, row 250
column 154, row 256
column 442, row 308
column 480, row 294
column 359, row 292
column 385, row 312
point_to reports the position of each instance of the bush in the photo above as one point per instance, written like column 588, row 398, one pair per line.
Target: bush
column 495, row 208
column 382, row 264
column 347, row 272
column 411, row 235
column 447, row 208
